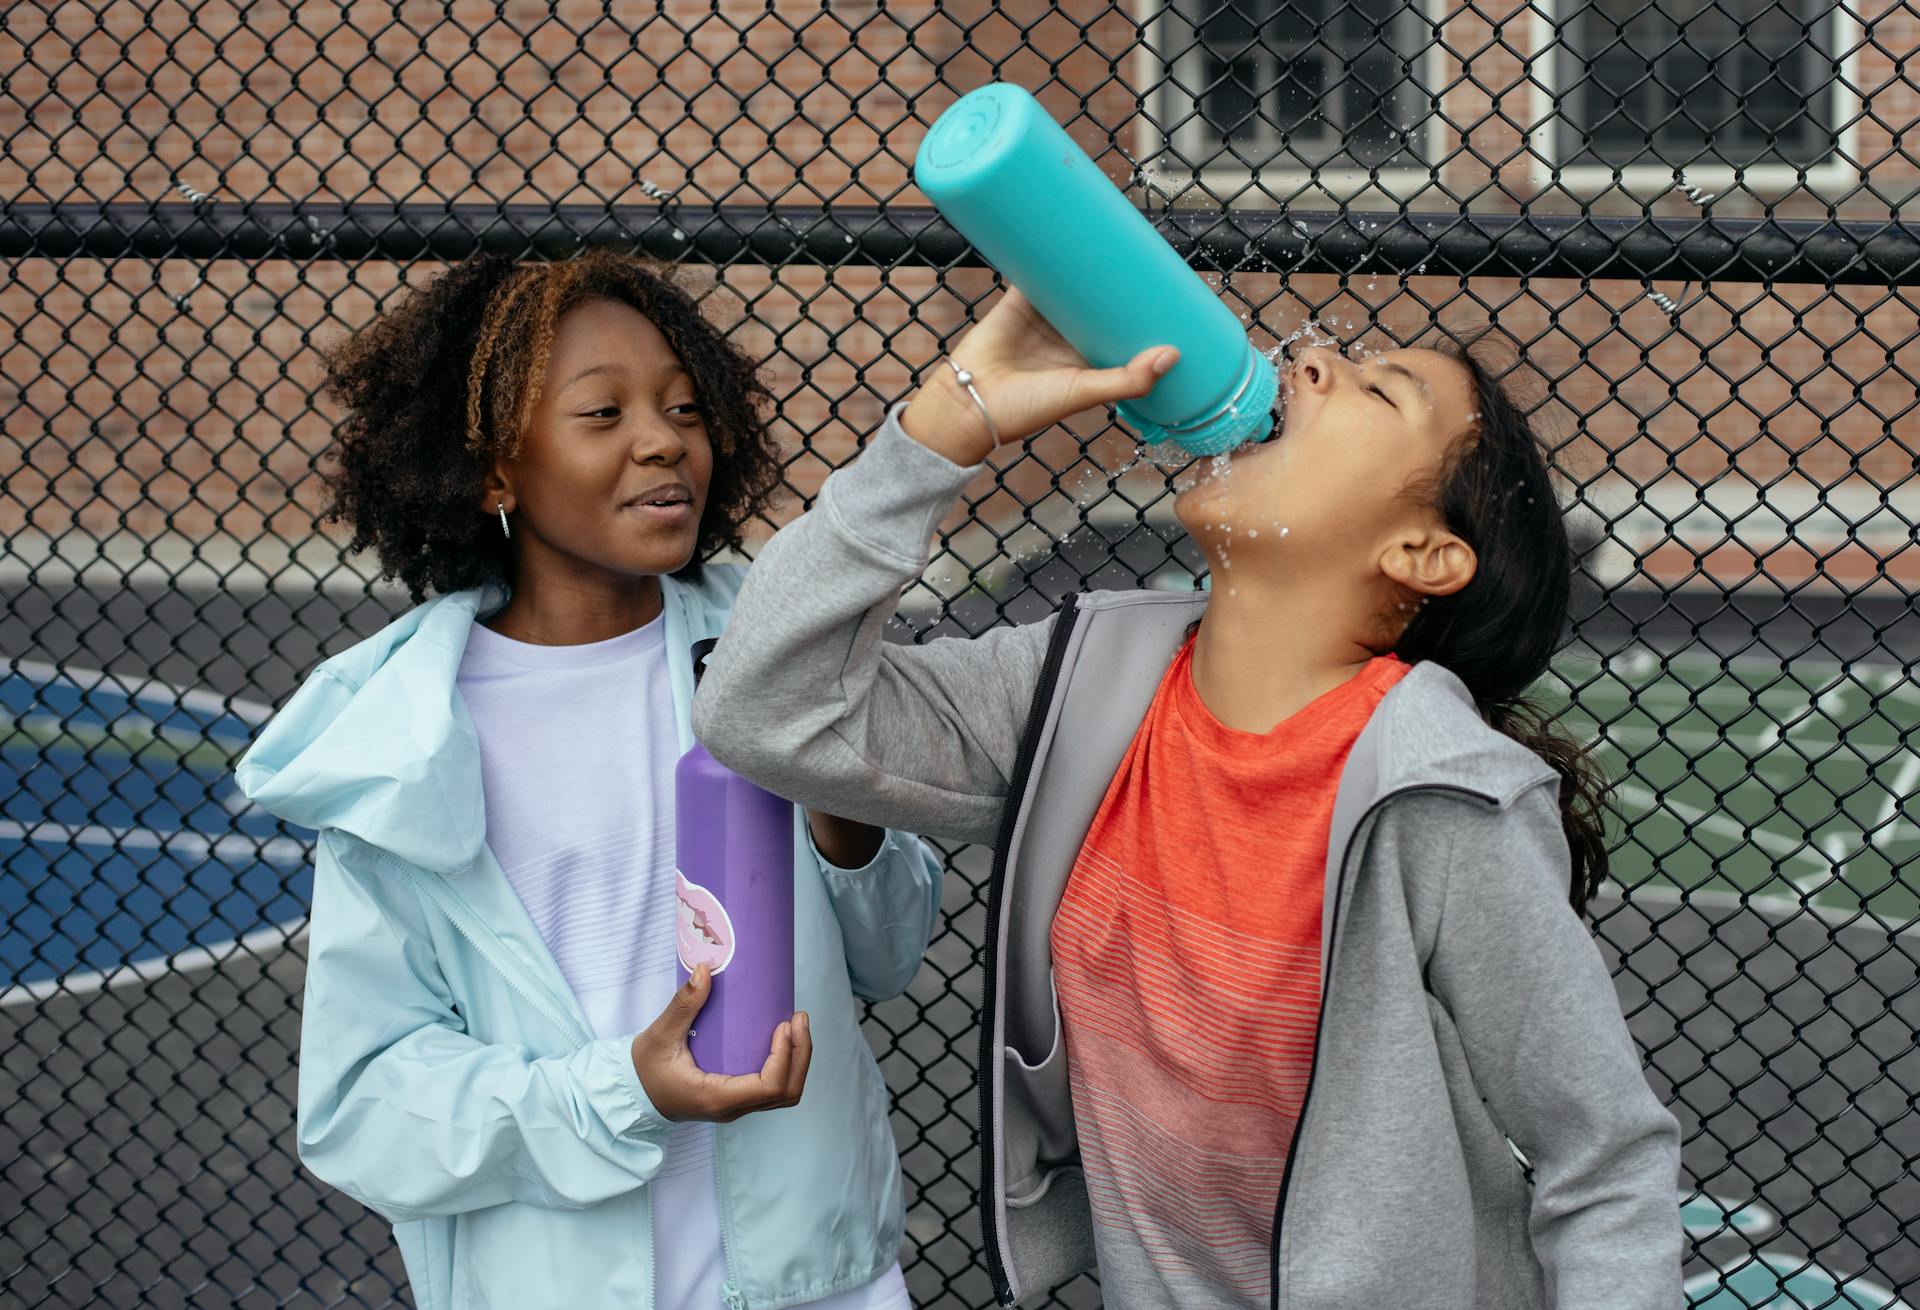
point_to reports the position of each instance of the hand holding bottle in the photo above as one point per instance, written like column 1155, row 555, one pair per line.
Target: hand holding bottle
column 1028, row 378
column 1037, row 208
column 681, row 1090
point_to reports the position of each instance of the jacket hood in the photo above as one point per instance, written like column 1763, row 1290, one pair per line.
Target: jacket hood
column 1426, row 732
column 1430, row 734
column 377, row 743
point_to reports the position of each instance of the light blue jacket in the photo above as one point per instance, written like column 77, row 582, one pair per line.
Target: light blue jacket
column 448, row 1078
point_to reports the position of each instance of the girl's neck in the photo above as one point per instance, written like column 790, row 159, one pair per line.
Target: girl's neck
column 1265, row 653
column 570, row 610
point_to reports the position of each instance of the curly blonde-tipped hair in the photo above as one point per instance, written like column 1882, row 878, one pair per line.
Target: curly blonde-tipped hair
column 446, row 381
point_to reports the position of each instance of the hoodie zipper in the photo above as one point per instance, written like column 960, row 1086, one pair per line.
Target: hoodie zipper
column 1319, row 1028
column 1064, row 622
column 729, row 1290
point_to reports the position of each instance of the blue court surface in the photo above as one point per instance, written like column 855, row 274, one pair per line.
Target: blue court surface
column 125, row 849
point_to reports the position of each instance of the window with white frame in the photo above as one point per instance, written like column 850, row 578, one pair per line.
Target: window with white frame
column 1297, row 83
column 1734, row 83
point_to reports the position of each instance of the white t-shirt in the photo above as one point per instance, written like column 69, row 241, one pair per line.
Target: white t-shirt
column 577, row 753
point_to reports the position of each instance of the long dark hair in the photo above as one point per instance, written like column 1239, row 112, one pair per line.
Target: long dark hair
column 1499, row 632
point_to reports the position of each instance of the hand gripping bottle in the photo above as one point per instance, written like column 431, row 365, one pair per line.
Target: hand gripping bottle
column 1040, row 211
column 734, row 913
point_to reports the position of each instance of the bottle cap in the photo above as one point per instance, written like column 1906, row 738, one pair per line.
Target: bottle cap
column 958, row 135
column 1247, row 414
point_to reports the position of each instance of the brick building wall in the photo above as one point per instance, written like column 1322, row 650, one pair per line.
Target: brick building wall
column 167, row 411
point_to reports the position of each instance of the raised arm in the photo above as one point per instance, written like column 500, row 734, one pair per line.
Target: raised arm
column 804, row 696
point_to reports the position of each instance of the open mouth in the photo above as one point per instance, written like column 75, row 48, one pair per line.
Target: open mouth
column 1268, row 442
column 670, row 503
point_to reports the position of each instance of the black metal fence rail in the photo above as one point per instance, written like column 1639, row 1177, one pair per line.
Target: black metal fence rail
column 1838, row 252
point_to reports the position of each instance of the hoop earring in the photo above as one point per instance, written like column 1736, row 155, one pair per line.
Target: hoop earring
column 505, row 531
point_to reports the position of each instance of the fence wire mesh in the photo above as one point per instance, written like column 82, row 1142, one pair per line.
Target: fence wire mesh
column 1694, row 214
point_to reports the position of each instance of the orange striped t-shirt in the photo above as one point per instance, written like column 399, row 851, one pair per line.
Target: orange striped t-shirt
column 1187, row 960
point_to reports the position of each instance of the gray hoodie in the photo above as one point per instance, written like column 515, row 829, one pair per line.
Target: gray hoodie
column 1466, row 1013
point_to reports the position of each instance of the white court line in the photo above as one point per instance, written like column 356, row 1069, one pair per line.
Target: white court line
column 1834, row 845
column 1825, row 701
column 1896, row 683
column 190, row 845
column 1835, row 850
column 1730, row 683
column 1770, row 904
column 257, row 942
column 283, row 850
column 1697, row 743
column 1901, row 790
column 275, row 849
column 1773, row 843
column 211, row 704
column 1829, row 700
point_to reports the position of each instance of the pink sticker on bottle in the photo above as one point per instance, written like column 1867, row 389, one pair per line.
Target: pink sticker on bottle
column 705, row 931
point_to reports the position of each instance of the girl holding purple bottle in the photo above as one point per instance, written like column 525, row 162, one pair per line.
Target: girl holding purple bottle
column 550, row 1027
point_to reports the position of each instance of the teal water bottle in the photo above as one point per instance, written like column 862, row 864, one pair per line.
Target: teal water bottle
column 1042, row 213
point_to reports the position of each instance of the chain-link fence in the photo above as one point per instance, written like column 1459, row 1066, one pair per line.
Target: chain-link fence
column 1695, row 214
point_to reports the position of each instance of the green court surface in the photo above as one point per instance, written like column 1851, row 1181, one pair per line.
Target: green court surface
column 1789, row 785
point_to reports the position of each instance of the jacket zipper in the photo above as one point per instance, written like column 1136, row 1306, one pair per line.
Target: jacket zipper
column 1064, row 621
column 729, row 1290
column 1313, row 1068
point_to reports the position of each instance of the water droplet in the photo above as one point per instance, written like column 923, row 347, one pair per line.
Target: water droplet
column 1159, row 176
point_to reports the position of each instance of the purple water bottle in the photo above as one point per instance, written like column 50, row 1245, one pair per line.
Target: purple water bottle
column 734, row 843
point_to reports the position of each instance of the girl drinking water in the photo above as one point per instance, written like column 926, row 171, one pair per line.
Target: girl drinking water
column 1285, row 963
column 493, row 1050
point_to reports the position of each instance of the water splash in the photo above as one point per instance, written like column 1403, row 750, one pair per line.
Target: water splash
column 1161, row 455
column 1186, row 471
column 1088, row 485
column 1159, row 176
